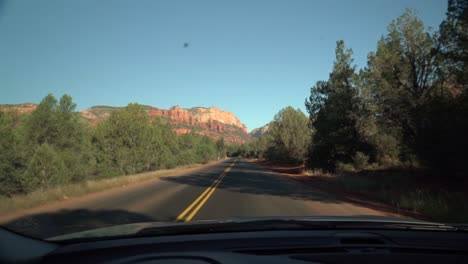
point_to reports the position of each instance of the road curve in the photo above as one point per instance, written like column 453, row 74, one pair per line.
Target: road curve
column 230, row 188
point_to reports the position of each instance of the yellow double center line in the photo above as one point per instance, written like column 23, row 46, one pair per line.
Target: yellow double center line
column 201, row 200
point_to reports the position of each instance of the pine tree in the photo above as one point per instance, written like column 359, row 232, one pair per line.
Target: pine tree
column 11, row 164
column 336, row 110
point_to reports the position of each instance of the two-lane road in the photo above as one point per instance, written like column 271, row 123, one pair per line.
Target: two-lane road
column 226, row 189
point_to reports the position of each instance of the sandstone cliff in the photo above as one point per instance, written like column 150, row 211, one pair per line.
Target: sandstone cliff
column 209, row 121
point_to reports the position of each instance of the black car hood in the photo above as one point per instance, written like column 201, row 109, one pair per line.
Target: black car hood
column 136, row 228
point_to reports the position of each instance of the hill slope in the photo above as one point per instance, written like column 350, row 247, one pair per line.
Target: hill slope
column 257, row 132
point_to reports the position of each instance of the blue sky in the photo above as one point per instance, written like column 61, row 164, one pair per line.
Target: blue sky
column 249, row 57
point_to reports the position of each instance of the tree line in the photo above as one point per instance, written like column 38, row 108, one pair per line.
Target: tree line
column 53, row 146
column 407, row 107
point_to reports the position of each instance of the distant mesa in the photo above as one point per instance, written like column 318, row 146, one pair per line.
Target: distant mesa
column 212, row 122
column 209, row 121
column 19, row 108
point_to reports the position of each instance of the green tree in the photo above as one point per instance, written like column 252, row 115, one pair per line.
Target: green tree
column 45, row 169
column 163, row 146
column 122, row 142
column 336, row 112
column 205, row 149
column 42, row 126
column 55, row 127
column 261, row 145
column 220, row 148
column 187, row 145
column 290, row 133
column 11, row 164
column 441, row 141
column 415, row 81
column 453, row 45
column 72, row 142
column 195, row 148
column 233, row 150
column 401, row 76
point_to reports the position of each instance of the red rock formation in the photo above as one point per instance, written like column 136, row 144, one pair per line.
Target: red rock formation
column 19, row 108
column 198, row 115
column 212, row 121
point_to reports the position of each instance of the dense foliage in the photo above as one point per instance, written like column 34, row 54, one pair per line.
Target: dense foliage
column 289, row 136
column 52, row 146
column 287, row 139
column 407, row 107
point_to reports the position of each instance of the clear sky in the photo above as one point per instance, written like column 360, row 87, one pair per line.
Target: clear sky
column 249, row 57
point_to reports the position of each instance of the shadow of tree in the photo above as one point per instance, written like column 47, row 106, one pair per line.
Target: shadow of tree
column 267, row 179
column 247, row 177
column 45, row 225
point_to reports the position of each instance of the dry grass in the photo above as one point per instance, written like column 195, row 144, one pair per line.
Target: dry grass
column 9, row 205
column 435, row 198
column 316, row 172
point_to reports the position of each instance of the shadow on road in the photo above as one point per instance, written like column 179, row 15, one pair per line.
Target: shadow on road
column 45, row 225
column 247, row 177
column 250, row 178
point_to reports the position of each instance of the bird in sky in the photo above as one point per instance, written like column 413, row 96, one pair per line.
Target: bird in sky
column 186, row 44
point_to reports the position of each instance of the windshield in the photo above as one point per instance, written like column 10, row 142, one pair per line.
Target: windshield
column 173, row 112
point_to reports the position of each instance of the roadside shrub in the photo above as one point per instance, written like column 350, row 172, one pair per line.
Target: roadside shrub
column 360, row 161
column 316, row 172
column 340, row 166
column 387, row 149
column 46, row 169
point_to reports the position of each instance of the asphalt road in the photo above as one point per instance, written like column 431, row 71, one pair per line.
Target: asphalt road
column 226, row 189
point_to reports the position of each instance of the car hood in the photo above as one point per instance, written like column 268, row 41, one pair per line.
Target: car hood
column 136, row 228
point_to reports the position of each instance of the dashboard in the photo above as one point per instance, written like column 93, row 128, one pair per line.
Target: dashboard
column 282, row 246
